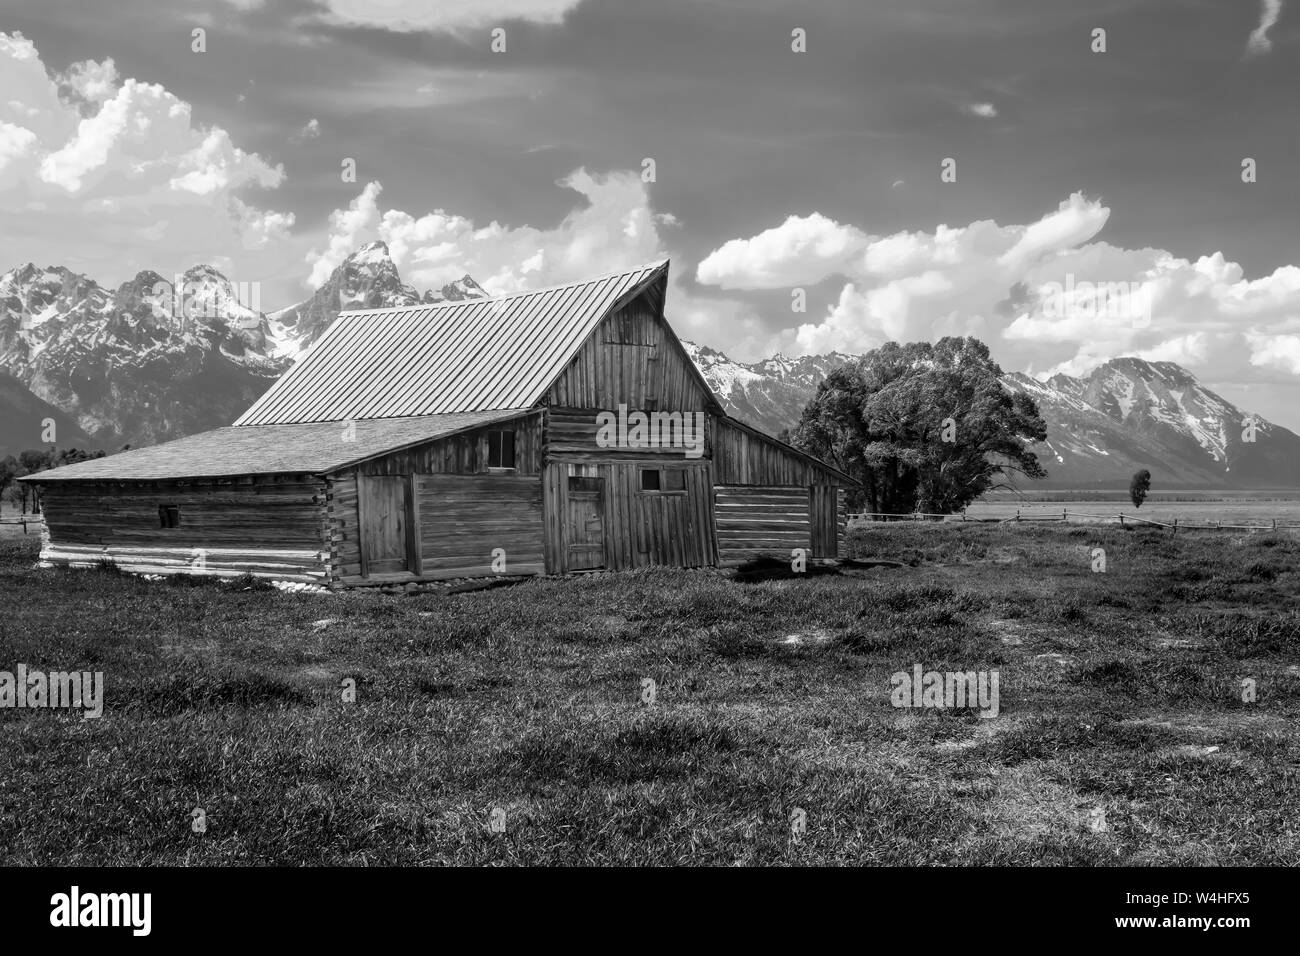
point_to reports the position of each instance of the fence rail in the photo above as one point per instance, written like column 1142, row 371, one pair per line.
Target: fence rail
column 1066, row 515
column 29, row 522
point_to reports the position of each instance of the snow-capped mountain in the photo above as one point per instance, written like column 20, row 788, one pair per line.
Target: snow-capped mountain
column 367, row 279
column 138, row 364
column 768, row 394
column 1127, row 414
column 1130, row 413
column 156, row 359
column 460, row 290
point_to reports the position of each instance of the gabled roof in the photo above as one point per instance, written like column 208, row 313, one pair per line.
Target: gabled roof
column 314, row 448
column 475, row 355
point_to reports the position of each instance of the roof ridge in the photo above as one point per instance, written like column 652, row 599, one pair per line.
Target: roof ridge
column 429, row 306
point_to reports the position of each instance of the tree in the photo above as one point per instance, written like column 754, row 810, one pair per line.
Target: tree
column 1138, row 487
column 923, row 427
column 9, row 472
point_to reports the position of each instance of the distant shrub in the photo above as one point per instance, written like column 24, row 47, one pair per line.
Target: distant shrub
column 1138, row 487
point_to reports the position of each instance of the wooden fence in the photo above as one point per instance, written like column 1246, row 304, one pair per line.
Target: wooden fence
column 1066, row 516
column 30, row 523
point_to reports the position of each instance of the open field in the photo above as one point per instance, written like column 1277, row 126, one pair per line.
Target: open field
column 1122, row 735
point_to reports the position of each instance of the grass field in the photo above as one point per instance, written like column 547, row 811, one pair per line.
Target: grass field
column 1122, row 735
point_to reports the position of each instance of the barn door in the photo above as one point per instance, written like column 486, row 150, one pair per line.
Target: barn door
column 384, row 510
column 584, row 524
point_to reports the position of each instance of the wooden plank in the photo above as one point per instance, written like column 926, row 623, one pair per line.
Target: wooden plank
column 413, row 552
column 362, row 519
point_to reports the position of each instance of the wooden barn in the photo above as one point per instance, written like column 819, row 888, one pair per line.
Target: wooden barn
column 551, row 431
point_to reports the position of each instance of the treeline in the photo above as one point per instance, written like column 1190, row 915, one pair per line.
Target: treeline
column 29, row 463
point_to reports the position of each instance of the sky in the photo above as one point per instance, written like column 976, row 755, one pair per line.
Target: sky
column 824, row 175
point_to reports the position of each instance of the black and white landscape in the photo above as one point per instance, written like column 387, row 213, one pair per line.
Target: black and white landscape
column 581, row 433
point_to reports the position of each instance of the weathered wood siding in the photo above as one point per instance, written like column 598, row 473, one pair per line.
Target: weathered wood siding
column 758, row 521
column 632, row 357
column 464, row 454
column 269, row 527
column 745, row 456
column 459, row 521
column 573, row 432
column 463, row 510
column 463, row 520
column 641, row 528
column 824, row 513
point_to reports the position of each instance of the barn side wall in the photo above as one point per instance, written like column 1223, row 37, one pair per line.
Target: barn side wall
column 638, row 528
column 270, row 527
column 771, row 500
column 465, row 520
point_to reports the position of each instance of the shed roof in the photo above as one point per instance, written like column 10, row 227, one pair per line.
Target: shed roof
column 308, row 448
column 495, row 353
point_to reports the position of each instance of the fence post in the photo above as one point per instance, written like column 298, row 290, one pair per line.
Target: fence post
column 1175, row 526
column 1274, row 524
column 1121, row 521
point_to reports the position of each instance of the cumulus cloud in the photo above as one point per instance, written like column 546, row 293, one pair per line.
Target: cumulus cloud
column 406, row 16
column 1269, row 13
column 612, row 228
column 985, row 110
column 88, row 83
column 1047, row 295
column 111, row 175
column 801, row 249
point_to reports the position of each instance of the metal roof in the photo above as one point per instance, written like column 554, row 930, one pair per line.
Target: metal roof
column 312, row 448
column 479, row 354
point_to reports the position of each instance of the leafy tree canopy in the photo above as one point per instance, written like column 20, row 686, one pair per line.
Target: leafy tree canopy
column 923, row 427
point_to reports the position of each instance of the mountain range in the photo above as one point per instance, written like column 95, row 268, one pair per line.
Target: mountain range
column 156, row 359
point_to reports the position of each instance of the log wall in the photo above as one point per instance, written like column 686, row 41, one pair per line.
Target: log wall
column 270, row 527
column 762, row 522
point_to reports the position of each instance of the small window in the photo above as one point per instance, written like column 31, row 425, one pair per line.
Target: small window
column 501, row 448
column 649, row 479
column 674, row 480
column 580, row 483
column 169, row 516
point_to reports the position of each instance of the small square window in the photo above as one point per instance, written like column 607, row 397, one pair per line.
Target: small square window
column 649, row 479
column 674, row 480
column 501, row 448
column 169, row 516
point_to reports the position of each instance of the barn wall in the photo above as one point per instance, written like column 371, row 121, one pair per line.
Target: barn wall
column 460, row 520
column 640, row 528
column 632, row 358
column 464, row 454
column 270, row 527
column 464, row 510
column 572, row 432
column 762, row 521
column 745, row 457
column 464, row 519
